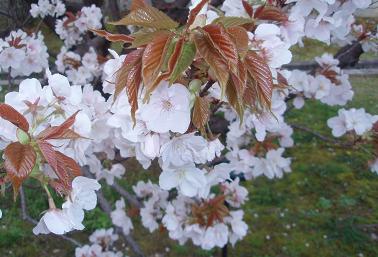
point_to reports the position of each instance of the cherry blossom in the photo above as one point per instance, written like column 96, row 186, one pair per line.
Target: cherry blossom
column 168, row 109
column 45, row 8
column 187, row 179
column 356, row 120
column 119, row 217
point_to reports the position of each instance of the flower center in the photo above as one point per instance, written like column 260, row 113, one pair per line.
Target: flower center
column 167, row 105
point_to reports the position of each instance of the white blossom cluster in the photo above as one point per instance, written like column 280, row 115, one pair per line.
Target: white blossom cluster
column 369, row 40
column 357, row 122
column 72, row 27
column 326, row 20
column 119, row 217
column 43, row 8
column 71, row 216
column 52, row 104
column 329, row 84
column 102, row 245
column 79, row 70
column 23, row 54
column 352, row 120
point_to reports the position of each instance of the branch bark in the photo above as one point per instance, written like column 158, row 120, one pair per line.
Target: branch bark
column 129, row 197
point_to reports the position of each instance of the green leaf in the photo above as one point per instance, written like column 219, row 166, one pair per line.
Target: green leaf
column 144, row 37
column 188, row 53
column 148, row 17
column 228, row 21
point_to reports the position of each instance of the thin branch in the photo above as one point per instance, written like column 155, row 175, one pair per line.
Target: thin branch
column 25, row 216
column 209, row 84
column 6, row 14
column 322, row 137
column 129, row 197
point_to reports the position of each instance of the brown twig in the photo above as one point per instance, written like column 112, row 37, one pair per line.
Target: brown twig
column 208, row 85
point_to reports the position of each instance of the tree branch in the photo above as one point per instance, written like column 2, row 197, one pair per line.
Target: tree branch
column 322, row 137
column 129, row 197
column 208, row 85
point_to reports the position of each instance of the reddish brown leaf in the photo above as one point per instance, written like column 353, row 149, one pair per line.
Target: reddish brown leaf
column 59, row 187
column 282, row 80
column 48, row 153
column 67, row 169
column 67, row 134
column 240, row 78
column 129, row 77
column 113, row 37
column 134, row 80
column 58, row 132
column 194, row 12
column 137, row 4
column 271, row 13
column 234, row 98
column 153, row 57
column 259, row 10
column 240, row 38
column 130, row 61
column 10, row 114
column 248, row 8
column 64, row 167
column 212, row 57
column 223, row 43
column 16, row 184
column 262, row 80
column 201, row 113
column 19, row 159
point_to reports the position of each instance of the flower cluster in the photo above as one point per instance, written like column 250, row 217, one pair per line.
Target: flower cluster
column 45, row 108
column 23, row 54
column 79, row 70
column 72, row 27
column 43, row 8
column 329, row 84
column 326, row 20
column 352, row 120
column 102, row 245
column 71, row 216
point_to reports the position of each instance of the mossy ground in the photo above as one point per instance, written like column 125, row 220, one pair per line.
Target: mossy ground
column 325, row 207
